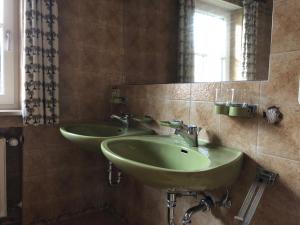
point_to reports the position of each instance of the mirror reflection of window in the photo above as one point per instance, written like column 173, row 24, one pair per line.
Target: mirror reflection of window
column 211, row 46
column 224, row 40
column 217, row 41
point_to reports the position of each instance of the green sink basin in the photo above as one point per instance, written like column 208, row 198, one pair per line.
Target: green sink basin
column 89, row 136
column 166, row 162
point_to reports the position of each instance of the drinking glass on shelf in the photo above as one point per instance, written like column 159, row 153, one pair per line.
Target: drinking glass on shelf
column 224, row 97
column 219, row 98
column 239, row 97
column 230, row 96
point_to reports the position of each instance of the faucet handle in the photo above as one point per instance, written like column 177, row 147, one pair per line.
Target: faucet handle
column 113, row 116
column 176, row 124
column 144, row 119
column 125, row 115
column 198, row 129
column 192, row 129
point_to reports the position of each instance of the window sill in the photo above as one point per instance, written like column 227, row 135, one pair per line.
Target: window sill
column 10, row 113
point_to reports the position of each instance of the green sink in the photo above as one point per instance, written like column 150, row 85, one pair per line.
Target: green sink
column 89, row 136
column 166, row 162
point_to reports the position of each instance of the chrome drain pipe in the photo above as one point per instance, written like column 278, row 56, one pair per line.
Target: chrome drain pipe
column 204, row 205
column 113, row 182
column 171, row 204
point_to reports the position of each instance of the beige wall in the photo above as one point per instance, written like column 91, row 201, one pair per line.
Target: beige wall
column 58, row 176
column 274, row 147
column 150, row 41
column 94, row 55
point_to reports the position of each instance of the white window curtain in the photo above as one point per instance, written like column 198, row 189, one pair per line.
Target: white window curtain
column 40, row 60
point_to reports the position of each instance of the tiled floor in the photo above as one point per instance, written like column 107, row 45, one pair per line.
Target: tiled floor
column 95, row 218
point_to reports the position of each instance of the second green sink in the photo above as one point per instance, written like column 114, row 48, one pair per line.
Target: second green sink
column 166, row 162
column 89, row 136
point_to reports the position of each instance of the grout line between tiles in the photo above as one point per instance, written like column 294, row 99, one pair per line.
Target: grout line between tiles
column 190, row 103
column 258, row 106
column 283, row 53
column 202, row 101
column 279, row 157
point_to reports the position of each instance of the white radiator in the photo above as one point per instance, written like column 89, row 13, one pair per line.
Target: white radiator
column 3, row 201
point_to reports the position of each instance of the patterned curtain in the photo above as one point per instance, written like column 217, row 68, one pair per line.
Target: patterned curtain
column 41, row 62
column 250, row 39
column 186, row 41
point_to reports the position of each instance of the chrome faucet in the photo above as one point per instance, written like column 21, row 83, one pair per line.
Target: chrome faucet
column 188, row 132
column 123, row 118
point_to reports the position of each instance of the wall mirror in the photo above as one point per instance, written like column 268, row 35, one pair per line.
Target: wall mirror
column 224, row 40
column 218, row 40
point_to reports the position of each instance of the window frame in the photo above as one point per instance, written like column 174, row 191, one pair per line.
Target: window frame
column 10, row 99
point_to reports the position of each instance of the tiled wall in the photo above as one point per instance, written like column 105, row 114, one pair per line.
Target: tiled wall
column 94, row 55
column 274, row 147
column 150, row 41
column 91, row 56
column 58, row 176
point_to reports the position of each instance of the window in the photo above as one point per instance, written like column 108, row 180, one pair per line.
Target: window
column 211, row 45
column 9, row 54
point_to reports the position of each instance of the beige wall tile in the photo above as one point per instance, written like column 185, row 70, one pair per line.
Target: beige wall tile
column 69, row 81
column 156, row 91
column 150, row 40
column 202, row 114
column 177, row 109
column 72, row 11
column 286, row 189
column 91, row 47
column 240, row 133
column 204, row 91
column 282, row 87
column 69, row 110
column 283, row 139
column 33, row 165
column 286, row 29
column 11, row 121
column 181, row 92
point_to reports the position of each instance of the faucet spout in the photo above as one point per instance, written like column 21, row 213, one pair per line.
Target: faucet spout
column 124, row 119
column 189, row 134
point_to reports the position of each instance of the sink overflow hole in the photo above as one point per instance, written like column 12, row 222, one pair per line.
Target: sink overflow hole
column 184, row 151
